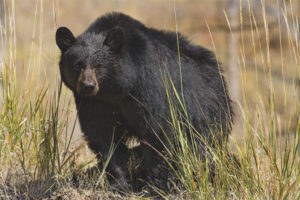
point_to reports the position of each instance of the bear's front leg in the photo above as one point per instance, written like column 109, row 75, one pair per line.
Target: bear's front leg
column 116, row 169
column 155, row 171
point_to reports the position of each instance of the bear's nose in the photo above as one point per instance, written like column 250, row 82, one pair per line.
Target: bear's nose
column 89, row 86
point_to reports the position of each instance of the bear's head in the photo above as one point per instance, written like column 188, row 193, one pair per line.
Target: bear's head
column 89, row 62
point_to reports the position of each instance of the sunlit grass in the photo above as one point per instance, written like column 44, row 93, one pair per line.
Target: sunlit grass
column 266, row 165
column 261, row 160
column 34, row 124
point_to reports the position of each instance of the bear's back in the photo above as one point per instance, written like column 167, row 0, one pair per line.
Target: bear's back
column 133, row 30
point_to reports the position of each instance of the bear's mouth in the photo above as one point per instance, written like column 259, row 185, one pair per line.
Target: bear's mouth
column 88, row 94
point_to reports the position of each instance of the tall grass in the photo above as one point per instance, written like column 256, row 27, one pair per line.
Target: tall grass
column 36, row 130
column 266, row 165
column 34, row 124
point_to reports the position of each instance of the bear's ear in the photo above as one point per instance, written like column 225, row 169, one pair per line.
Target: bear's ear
column 115, row 39
column 64, row 38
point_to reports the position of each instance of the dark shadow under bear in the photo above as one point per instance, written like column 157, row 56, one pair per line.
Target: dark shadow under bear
column 116, row 70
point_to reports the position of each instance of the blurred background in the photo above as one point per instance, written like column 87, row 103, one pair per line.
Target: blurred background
column 257, row 42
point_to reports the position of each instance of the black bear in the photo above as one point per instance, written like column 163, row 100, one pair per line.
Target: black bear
column 117, row 70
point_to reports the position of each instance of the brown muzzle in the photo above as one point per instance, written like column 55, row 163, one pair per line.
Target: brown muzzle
column 87, row 83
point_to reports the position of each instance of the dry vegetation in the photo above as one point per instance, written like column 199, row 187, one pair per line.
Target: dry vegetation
column 41, row 144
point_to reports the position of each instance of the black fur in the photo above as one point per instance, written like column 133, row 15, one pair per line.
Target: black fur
column 130, row 62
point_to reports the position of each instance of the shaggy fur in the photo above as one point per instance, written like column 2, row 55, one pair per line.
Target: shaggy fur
column 118, row 70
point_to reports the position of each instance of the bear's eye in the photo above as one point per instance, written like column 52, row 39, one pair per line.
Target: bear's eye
column 78, row 67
